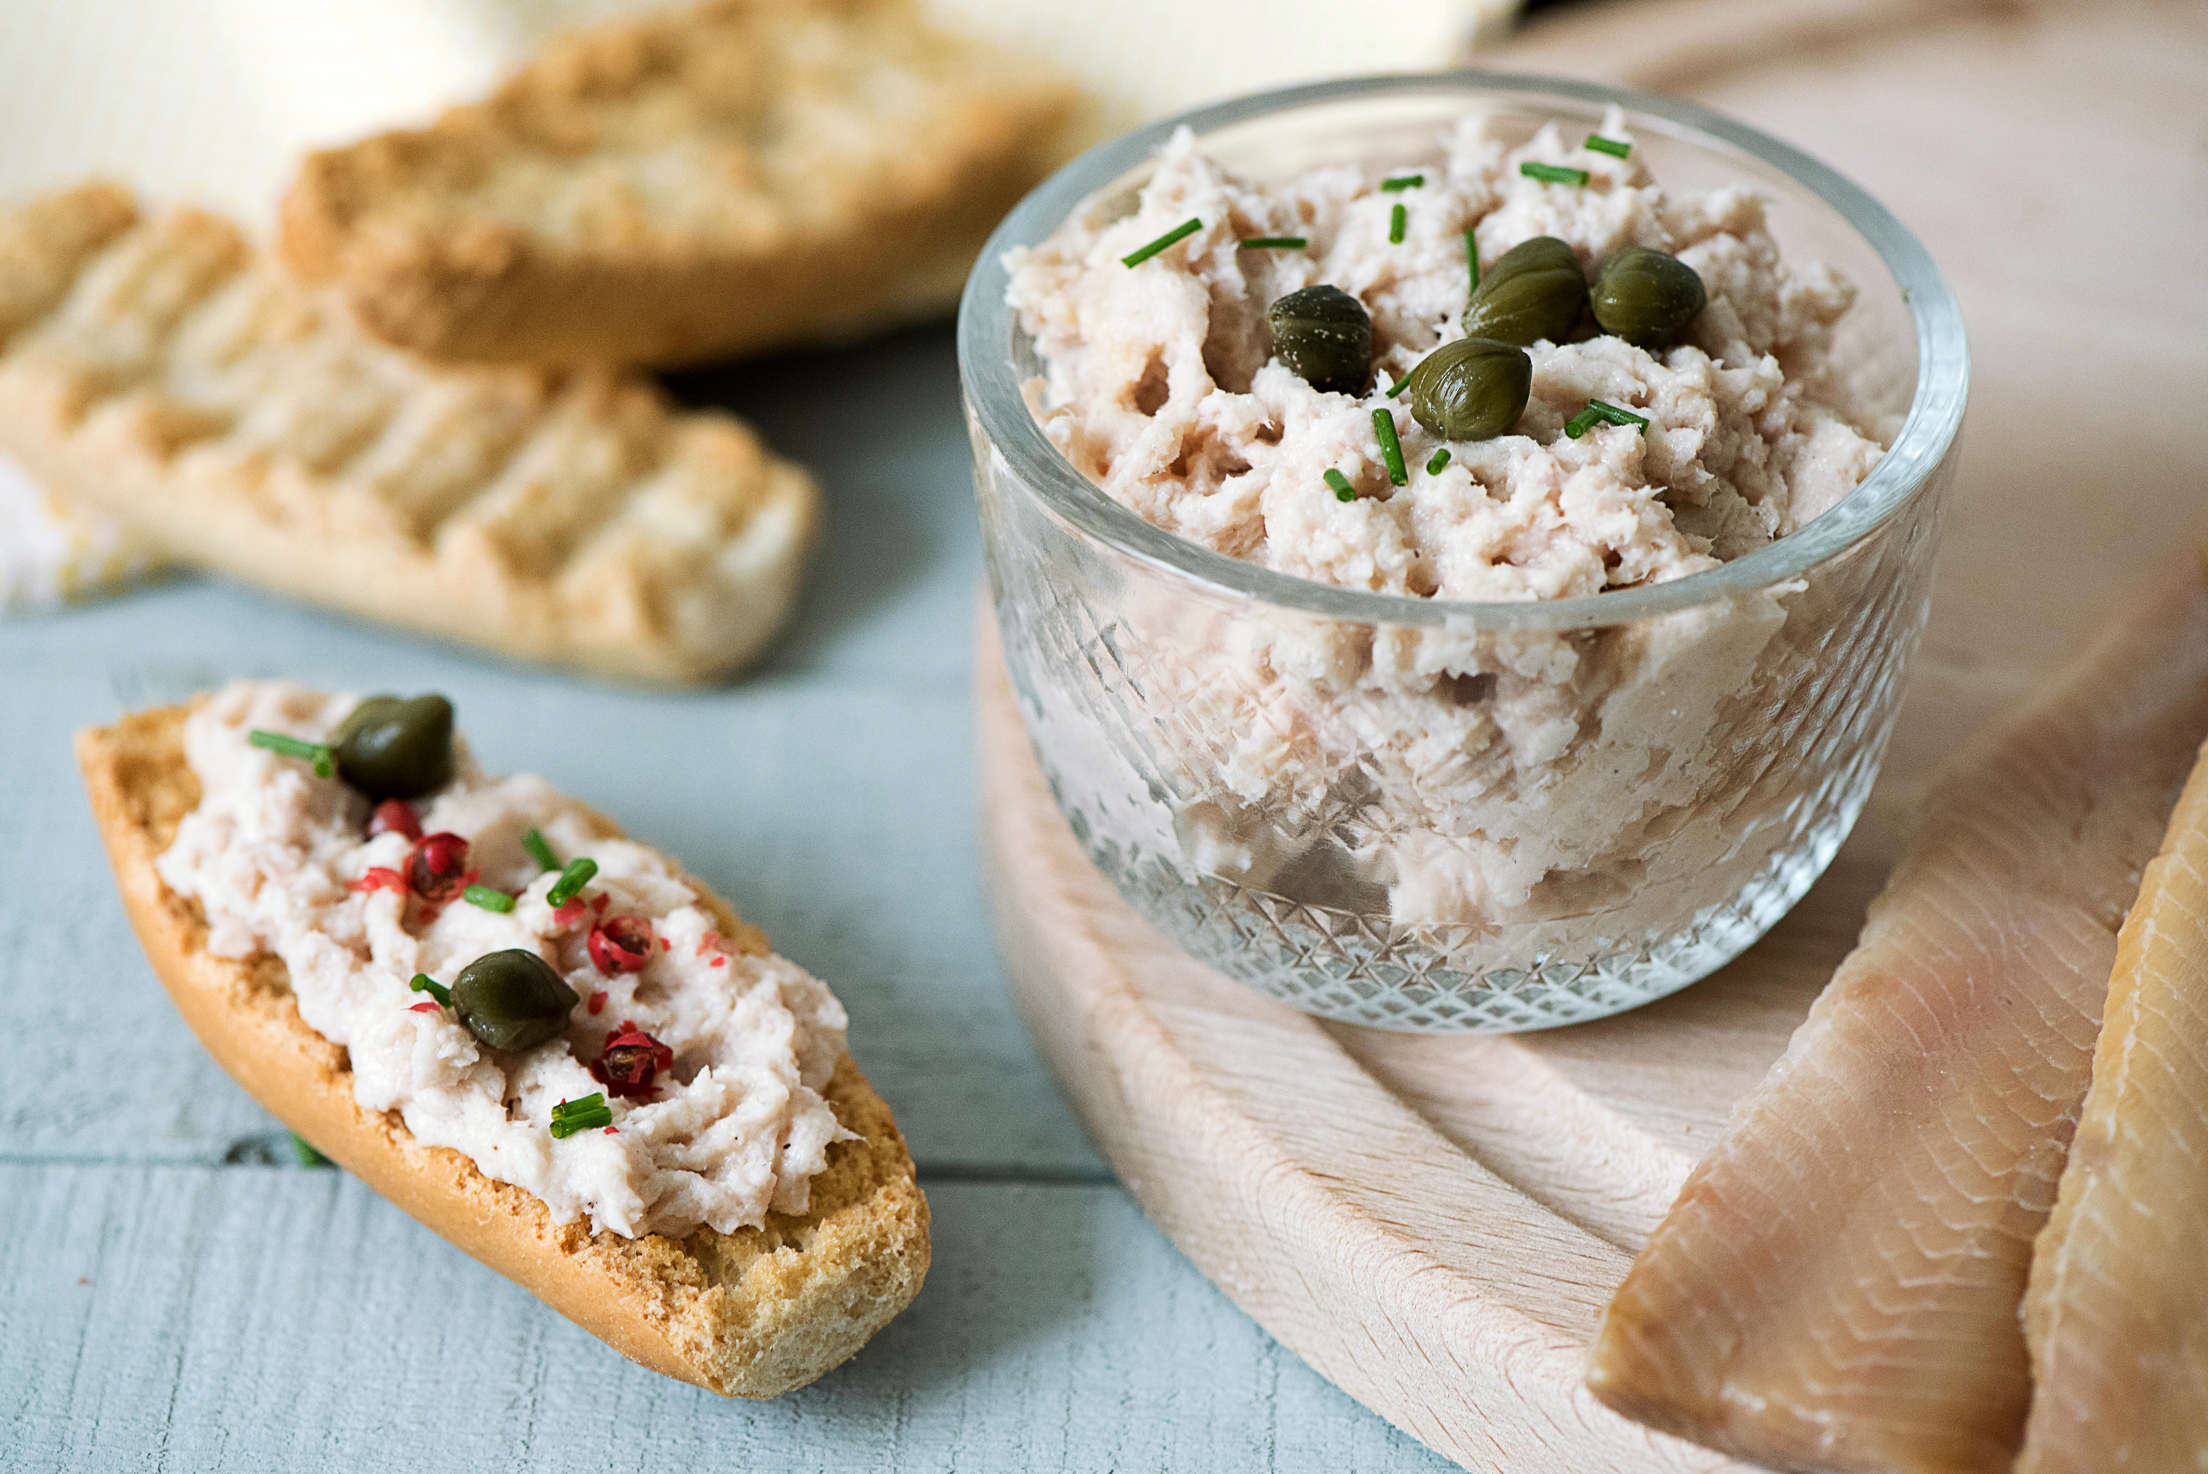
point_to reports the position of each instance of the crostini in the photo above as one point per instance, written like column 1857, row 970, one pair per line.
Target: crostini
column 546, row 1042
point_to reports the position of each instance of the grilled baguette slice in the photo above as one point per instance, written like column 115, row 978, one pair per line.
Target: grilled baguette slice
column 748, row 1314
column 166, row 371
column 695, row 184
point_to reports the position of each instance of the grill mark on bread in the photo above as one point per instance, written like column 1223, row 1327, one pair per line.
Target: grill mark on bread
column 112, row 331
column 442, row 447
column 562, row 483
column 324, row 415
column 224, row 349
column 184, row 382
column 44, row 245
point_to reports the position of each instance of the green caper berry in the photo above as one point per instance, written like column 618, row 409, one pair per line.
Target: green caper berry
column 512, row 999
column 1325, row 335
column 1472, row 389
column 390, row 748
column 1533, row 292
column 1647, row 297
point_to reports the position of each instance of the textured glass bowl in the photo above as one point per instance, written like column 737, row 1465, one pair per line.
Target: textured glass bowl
column 1428, row 815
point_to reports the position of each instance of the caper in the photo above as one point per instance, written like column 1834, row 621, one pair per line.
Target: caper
column 390, row 748
column 1325, row 335
column 512, row 999
column 1472, row 389
column 1535, row 291
column 1647, row 297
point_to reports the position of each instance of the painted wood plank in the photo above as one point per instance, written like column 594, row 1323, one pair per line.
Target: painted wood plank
column 830, row 795
column 186, row 1318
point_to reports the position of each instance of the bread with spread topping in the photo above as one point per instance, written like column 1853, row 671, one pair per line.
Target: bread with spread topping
column 699, row 183
column 750, row 1313
column 165, row 371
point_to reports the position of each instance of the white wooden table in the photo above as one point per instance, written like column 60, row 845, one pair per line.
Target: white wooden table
column 177, row 1293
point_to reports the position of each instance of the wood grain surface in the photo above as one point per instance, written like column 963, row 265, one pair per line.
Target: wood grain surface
column 1435, row 1223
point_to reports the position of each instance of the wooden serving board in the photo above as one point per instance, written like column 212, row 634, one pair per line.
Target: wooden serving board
column 1435, row 1223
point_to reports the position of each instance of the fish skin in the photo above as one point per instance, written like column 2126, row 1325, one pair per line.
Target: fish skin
column 1837, row 1287
column 2116, row 1313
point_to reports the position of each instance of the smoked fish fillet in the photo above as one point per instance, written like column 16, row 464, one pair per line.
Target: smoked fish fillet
column 1837, row 1287
column 2116, row 1314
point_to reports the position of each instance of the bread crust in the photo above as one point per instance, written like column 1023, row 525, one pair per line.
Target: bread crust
column 748, row 1314
column 165, row 371
column 723, row 180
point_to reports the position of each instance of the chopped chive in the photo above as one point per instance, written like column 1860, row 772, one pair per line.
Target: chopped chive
column 1397, row 387
column 1552, row 173
column 424, row 983
column 1179, row 232
column 1597, row 411
column 308, row 1156
column 567, row 1126
column 325, row 761
column 572, row 879
column 539, row 851
column 1343, row 491
column 1391, row 449
column 586, row 1113
column 1472, row 258
column 487, row 898
column 1403, row 181
column 1610, row 146
column 1275, row 243
column 1398, row 218
column 1441, row 458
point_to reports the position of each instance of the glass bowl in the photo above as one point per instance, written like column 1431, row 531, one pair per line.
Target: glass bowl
column 1431, row 815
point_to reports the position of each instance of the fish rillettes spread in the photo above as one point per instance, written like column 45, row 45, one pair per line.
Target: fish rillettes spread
column 731, row 1126
column 1164, row 387
column 1524, row 792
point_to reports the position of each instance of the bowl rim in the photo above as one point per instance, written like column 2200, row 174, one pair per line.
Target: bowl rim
column 1927, row 434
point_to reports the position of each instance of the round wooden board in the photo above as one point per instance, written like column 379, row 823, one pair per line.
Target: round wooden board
column 1435, row 1223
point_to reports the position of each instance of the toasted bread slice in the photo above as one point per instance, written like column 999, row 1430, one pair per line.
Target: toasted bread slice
column 748, row 1314
column 697, row 184
column 164, row 370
